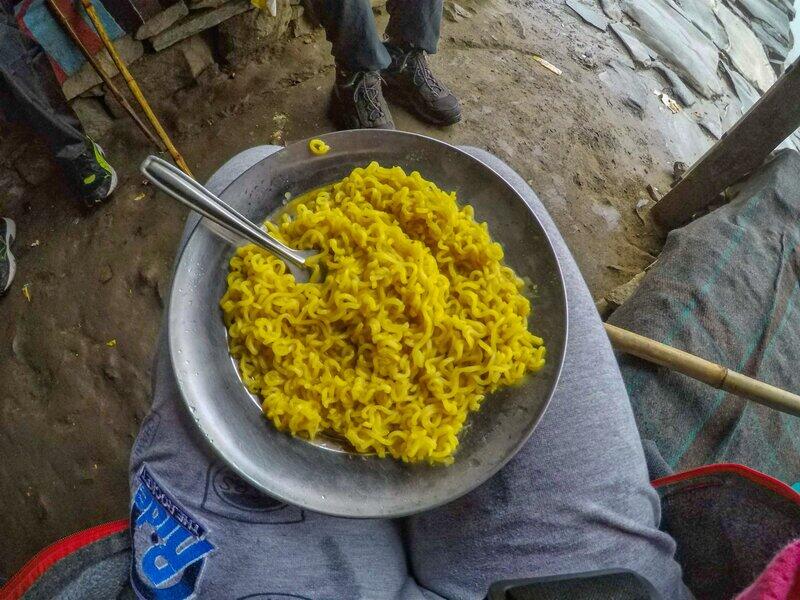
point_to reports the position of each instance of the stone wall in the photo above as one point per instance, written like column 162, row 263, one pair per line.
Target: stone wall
column 190, row 40
column 183, row 44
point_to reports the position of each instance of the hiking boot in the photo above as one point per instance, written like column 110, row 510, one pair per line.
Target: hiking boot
column 94, row 177
column 410, row 83
column 357, row 101
column 8, row 266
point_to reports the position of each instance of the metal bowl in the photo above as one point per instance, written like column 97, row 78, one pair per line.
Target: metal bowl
column 324, row 477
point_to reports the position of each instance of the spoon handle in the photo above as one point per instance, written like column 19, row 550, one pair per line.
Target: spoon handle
column 186, row 190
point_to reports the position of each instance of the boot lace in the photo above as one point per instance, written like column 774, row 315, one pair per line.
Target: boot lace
column 368, row 92
column 422, row 72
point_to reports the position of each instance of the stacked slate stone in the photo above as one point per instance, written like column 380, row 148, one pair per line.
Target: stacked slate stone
column 175, row 27
column 169, row 48
column 705, row 50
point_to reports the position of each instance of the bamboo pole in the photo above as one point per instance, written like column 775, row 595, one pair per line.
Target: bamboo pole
column 134, row 87
column 703, row 370
column 103, row 75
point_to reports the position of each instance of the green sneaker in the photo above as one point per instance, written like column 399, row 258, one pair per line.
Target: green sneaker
column 95, row 178
column 8, row 266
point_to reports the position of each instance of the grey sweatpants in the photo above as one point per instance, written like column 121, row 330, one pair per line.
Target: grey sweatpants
column 576, row 498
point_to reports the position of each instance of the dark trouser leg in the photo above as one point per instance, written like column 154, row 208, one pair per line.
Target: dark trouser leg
column 350, row 27
column 415, row 23
column 28, row 92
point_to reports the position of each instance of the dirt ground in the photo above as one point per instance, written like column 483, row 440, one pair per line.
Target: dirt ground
column 75, row 359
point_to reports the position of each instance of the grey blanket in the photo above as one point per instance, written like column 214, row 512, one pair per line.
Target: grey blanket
column 726, row 288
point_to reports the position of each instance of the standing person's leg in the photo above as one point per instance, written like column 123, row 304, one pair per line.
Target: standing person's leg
column 414, row 23
column 357, row 99
column 29, row 93
column 23, row 77
column 199, row 528
column 351, row 30
column 413, row 32
column 576, row 498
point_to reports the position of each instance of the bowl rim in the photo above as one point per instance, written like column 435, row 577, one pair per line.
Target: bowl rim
column 411, row 509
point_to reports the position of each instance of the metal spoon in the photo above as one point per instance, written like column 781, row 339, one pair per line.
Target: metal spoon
column 186, row 190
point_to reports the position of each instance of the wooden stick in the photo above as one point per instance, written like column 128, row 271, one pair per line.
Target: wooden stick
column 103, row 75
column 134, row 87
column 703, row 370
column 742, row 149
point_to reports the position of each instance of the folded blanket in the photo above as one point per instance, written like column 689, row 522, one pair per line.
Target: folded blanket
column 725, row 288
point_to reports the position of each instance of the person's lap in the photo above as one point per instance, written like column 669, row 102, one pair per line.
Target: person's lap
column 576, row 498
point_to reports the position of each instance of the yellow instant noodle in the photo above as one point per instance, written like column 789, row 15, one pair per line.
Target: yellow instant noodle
column 416, row 321
column 318, row 147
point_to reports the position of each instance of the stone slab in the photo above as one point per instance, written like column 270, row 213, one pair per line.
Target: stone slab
column 162, row 20
column 197, row 22
column 591, row 16
column 130, row 51
column 746, row 52
column 678, row 43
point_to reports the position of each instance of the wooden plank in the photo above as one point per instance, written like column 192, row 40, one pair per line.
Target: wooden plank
column 741, row 150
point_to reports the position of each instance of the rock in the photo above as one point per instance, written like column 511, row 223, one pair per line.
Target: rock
column 729, row 111
column 197, row 54
column 516, row 25
column 113, row 106
column 611, row 9
column 586, row 58
column 786, row 6
column 130, row 51
column 201, row 4
column 197, row 22
column 105, row 274
column 746, row 52
column 619, row 295
column 766, row 11
column 604, row 309
column 591, row 16
column 747, row 94
column 149, row 275
column 247, row 35
column 680, row 89
column 701, row 14
column 302, row 25
column 641, row 55
column 166, row 18
column 455, row 12
column 775, row 45
column 679, row 169
column 175, row 68
column 93, row 92
column 628, row 86
column 690, row 53
column 34, row 168
column 643, row 207
column 711, row 124
column 92, row 114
